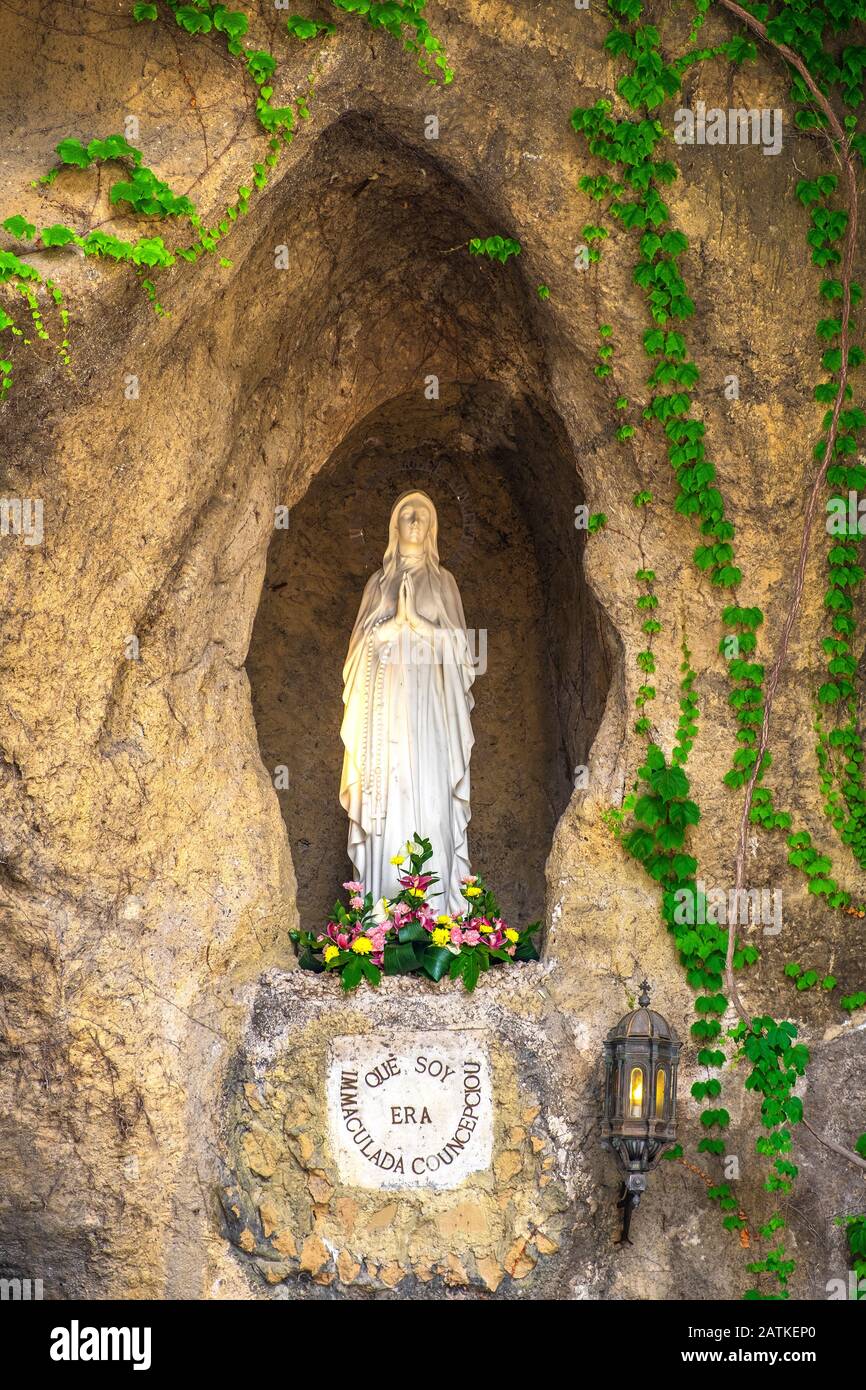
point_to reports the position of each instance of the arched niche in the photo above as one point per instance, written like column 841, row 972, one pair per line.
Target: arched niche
column 506, row 489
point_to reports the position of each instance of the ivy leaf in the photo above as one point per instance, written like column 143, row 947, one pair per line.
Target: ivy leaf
column 670, row 783
column 194, row 22
column 231, row 22
column 56, row 235
column 793, row 1108
column 20, row 228
column 73, row 152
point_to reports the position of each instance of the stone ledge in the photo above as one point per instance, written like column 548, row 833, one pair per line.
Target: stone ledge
column 285, row 998
column 289, row 1214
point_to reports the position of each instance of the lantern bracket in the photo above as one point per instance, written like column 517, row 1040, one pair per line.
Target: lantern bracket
column 633, row 1186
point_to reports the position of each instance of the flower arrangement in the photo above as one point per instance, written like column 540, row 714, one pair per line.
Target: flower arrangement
column 397, row 936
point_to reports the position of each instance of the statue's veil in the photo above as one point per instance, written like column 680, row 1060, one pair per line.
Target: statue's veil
column 389, row 582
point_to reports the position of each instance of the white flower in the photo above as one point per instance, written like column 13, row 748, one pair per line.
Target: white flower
column 380, row 912
column 449, row 946
column 412, row 848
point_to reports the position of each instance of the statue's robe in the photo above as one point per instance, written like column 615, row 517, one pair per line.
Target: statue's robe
column 408, row 736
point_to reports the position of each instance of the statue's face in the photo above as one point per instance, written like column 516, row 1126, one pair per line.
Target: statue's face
column 413, row 523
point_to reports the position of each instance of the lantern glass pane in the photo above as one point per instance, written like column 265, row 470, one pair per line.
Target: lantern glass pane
column 660, row 1092
column 635, row 1093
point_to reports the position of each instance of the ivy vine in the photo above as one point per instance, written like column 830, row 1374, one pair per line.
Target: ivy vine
column 660, row 808
column 144, row 194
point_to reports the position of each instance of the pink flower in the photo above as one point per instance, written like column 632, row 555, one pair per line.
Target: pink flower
column 456, row 936
column 377, row 957
column 353, row 886
column 471, row 937
column 341, row 936
column 377, row 936
column 495, row 939
column 400, row 911
column 470, row 878
column 356, row 902
column 509, row 950
column 422, row 881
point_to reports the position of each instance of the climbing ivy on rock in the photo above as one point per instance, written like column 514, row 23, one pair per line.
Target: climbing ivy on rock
column 144, row 194
column 496, row 248
column 662, row 809
column 405, row 21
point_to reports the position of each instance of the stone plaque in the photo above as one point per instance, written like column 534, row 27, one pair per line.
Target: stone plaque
column 410, row 1109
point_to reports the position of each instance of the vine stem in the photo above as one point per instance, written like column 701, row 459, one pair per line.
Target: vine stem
column 745, row 1235
column 836, row 1148
column 844, row 151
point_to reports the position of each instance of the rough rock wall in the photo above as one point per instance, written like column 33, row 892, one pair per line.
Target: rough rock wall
column 147, row 879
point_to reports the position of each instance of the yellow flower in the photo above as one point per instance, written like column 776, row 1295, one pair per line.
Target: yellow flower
column 362, row 945
column 484, row 926
column 397, row 858
column 472, row 891
column 441, row 936
column 417, row 892
column 331, row 952
column 444, row 920
column 510, row 934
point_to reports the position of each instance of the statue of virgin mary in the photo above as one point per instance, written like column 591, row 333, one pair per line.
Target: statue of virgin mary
column 406, row 728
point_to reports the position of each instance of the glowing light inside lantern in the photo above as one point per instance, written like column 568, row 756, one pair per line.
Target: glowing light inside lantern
column 660, row 1093
column 635, row 1093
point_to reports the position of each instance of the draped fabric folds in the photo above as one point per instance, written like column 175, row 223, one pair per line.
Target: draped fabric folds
column 406, row 728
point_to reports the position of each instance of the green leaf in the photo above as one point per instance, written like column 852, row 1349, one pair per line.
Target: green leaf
column 194, row 22
column 73, row 152
column 308, row 961
column 18, row 227
column 436, row 960
column 414, row 931
column 401, row 959
column 471, row 968
column 350, row 976
column 56, row 235
column 371, row 971
column 231, row 22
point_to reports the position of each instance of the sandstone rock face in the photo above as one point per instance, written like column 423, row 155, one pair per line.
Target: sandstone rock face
column 161, row 1116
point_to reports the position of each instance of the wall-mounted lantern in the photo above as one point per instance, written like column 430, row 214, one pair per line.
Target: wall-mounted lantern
column 641, row 1055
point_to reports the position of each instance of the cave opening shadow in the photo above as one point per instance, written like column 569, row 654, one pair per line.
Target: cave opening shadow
column 505, row 487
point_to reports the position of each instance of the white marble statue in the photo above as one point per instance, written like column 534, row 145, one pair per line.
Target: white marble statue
column 406, row 728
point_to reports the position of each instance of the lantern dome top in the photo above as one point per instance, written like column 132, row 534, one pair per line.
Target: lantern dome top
column 644, row 1022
